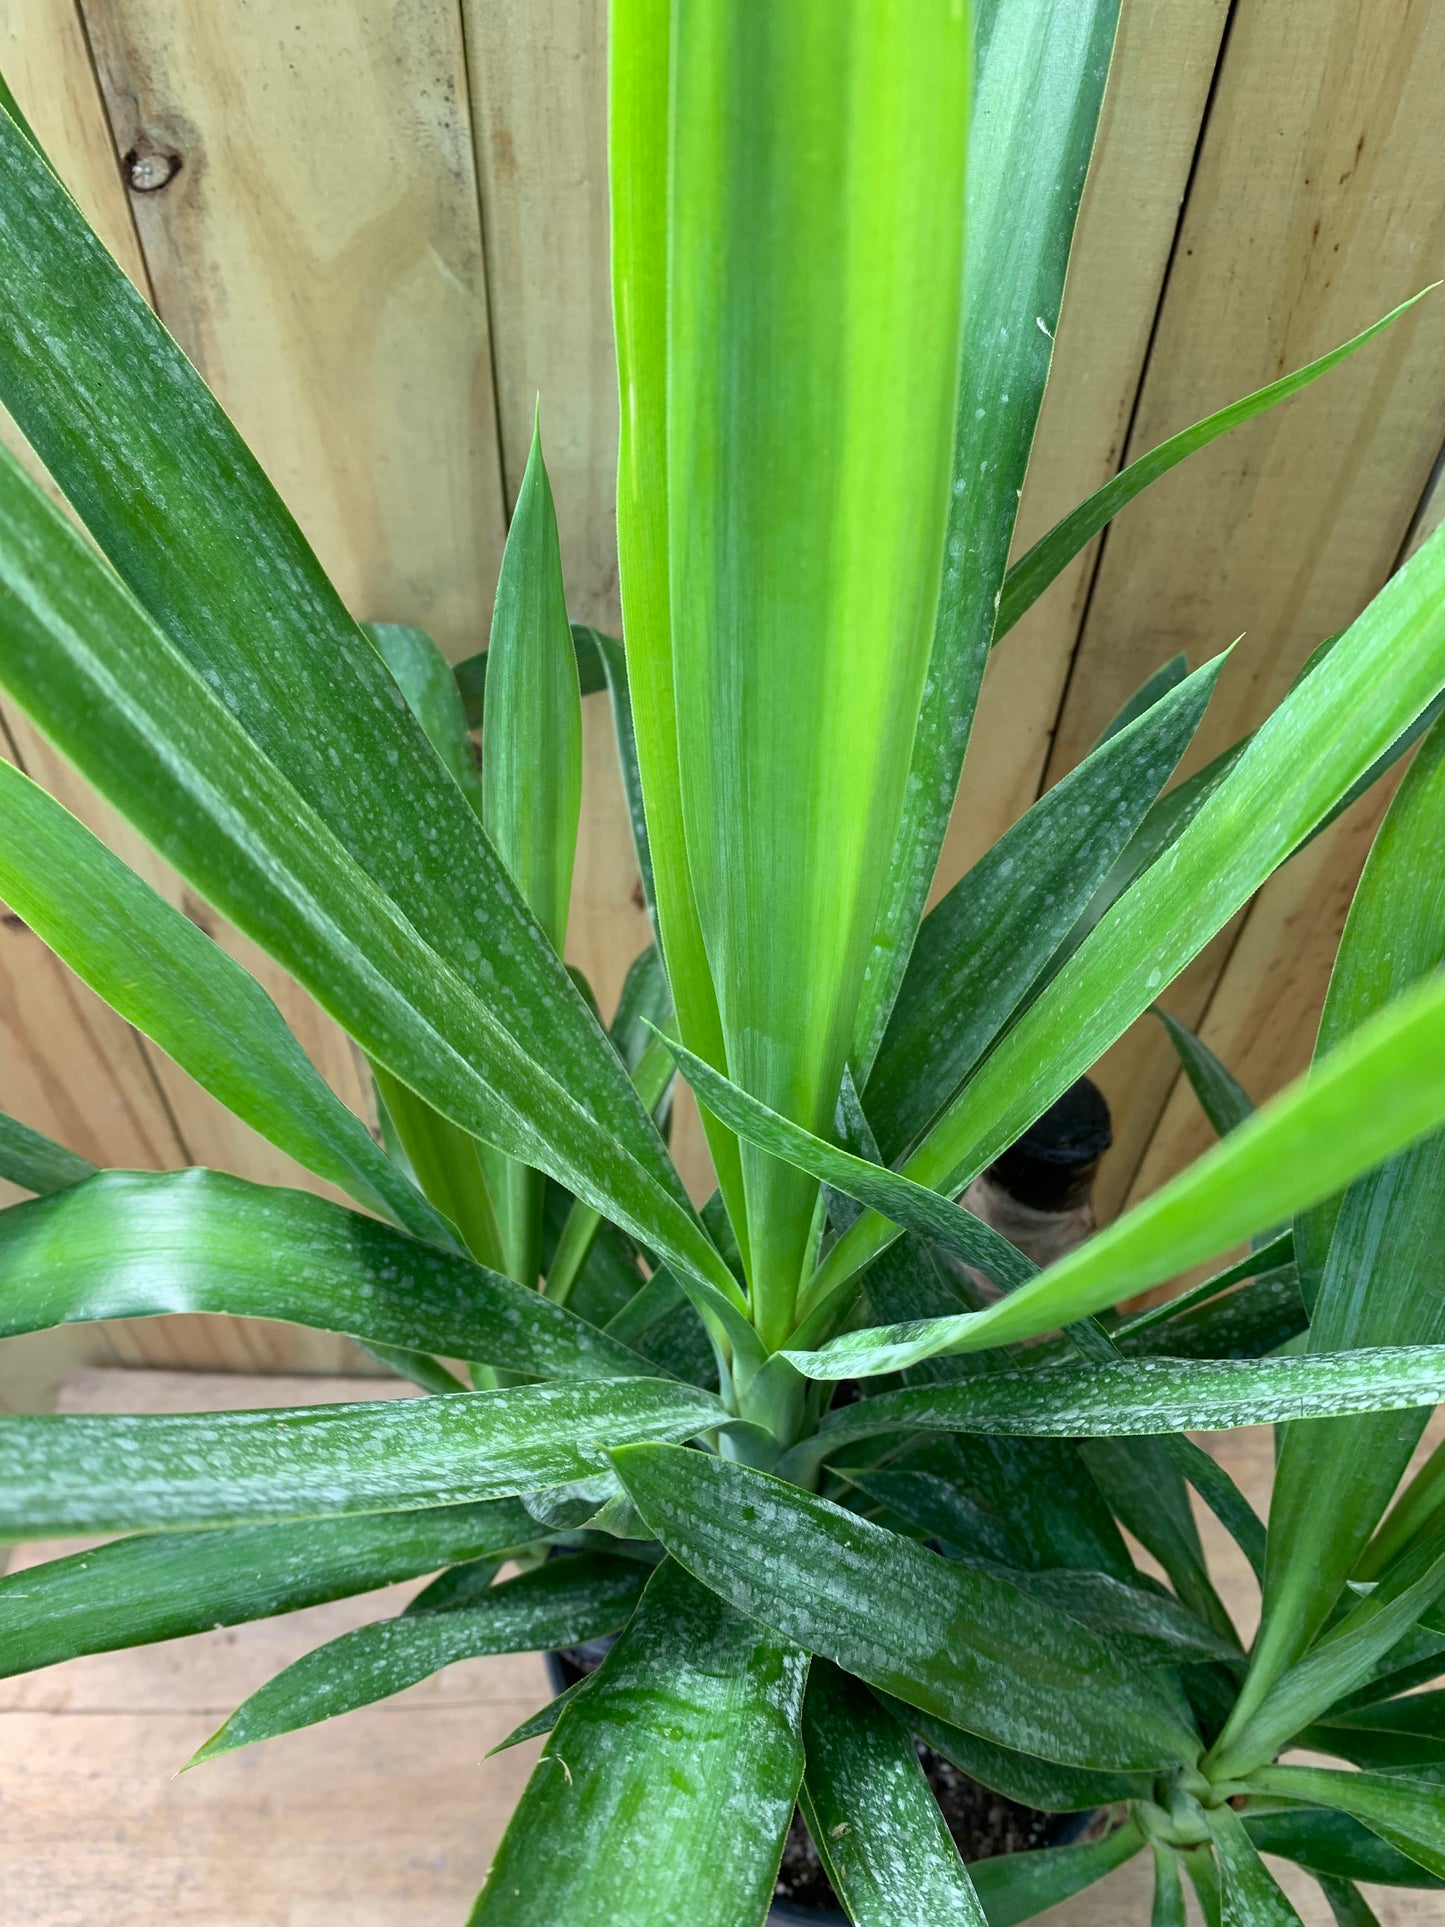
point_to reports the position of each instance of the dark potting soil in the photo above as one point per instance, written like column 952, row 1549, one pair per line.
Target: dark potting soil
column 983, row 1823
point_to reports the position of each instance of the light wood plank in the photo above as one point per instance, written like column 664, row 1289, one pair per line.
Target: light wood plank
column 1319, row 200
column 1158, row 86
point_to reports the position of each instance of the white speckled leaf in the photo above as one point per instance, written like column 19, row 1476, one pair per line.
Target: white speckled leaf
column 666, row 1789
column 165, row 976
column 560, row 1604
column 174, row 759
column 133, row 1244
column 872, row 1815
column 965, row 1645
column 62, row 1475
column 979, row 950
column 167, row 1584
column 1250, row 1896
column 1409, row 1814
column 1374, row 1094
column 210, row 551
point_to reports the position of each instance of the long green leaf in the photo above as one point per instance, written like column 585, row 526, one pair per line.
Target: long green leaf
column 1016, row 1886
column 1381, row 1280
column 175, row 761
column 35, row 1162
column 1335, row 1845
column 168, row 1584
column 810, row 398
column 104, row 395
column 1139, row 1396
column 872, row 1815
column 1371, row 685
column 1347, row 1903
column 561, row 1603
column 1033, row 572
column 70, row 1475
column 980, row 949
column 614, row 666
column 1251, row 1896
column 424, row 676
column 165, row 976
column 470, row 674
column 1376, row 1093
column 1168, row 1906
column 912, row 1205
column 532, row 723
column 1338, row 1665
column 1395, row 1735
column 1039, row 86
column 962, row 1644
column 671, row 1780
column 1020, row 1776
column 1222, row 1098
column 1273, row 1257
column 1410, row 1816
column 132, row 1244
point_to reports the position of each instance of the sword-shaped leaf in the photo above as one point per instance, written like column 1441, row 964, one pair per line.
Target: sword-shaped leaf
column 1408, row 1815
column 164, row 1585
column 979, row 950
column 71, row 1475
column 814, row 310
column 1016, row 1886
column 1222, row 1098
column 424, row 676
column 162, row 974
column 1250, row 1895
column 174, row 759
column 104, row 395
column 872, row 1814
column 1052, row 553
column 1374, row 1094
column 133, row 1244
column 1040, row 82
column 36, row 1162
column 559, row 1604
column 671, row 1779
column 1328, row 730
column 1381, row 1279
column 1335, row 1845
column 964, row 1645
column 1019, row 1776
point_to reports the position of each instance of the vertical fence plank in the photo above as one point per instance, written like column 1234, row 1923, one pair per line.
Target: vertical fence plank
column 1318, row 201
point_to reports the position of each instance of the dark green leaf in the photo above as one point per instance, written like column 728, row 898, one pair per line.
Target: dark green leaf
column 246, row 839
column 67, row 1475
column 545, row 1718
column 614, row 666
column 1168, row 1907
column 471, row 674
column 424, row 676
column 104, row 395
column 35, row 1162
column 962, row 1644
column 1016, row 1886
column 1407, row 1815
column 1167, row 676
column 1334, row 1844
column 164, row 975
column 1271, row 1257
column 136, row 1244
column 166, row 1585
column 1221, row 1098
column 560, row 1603
column 873, row 1818
column 1347, row 1903
column 669, row 1782
column 1033, row 573
column 1250, row 1895
column 1019, row 1776
column 1397, row 1735
column 978, row 951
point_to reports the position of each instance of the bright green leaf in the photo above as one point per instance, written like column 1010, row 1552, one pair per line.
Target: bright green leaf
column 35, row 1162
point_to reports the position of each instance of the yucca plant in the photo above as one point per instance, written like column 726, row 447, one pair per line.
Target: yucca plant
column 840, row 231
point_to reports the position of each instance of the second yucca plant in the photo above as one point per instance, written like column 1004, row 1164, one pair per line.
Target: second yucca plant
column 840, row 231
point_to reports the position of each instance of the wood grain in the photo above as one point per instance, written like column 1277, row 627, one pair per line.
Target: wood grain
column 1318, row 201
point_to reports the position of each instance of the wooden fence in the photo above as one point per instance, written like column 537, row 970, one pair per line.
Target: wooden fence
column 379, row 229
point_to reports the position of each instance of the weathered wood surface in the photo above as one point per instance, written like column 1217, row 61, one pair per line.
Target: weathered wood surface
column 386, row 239
column 388, row 1817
